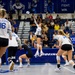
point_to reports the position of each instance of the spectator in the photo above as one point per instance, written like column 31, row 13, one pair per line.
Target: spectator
column 50, row 17
column 56, row 45
column 18, row 7
column 34, row 6
column 58, row 19
column 15, row 27
column 33, row 26
column 1, row 4
column 67, row 24
column 67, row 34
column 62, row 27
column 45, row 42
column 56, row 27
column 33, row 39
column 50, row 7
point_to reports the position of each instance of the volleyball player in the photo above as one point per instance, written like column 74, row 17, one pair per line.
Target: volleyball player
column 12, row 48
column 5, row 28
column 64, row 45
column 38, row 34
column 64, row 56
column 27, row 55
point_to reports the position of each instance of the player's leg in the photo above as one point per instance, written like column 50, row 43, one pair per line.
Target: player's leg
column 70, row 58
column 59, row 53
column 24, row 56
column 64, row 56
column 41, row 51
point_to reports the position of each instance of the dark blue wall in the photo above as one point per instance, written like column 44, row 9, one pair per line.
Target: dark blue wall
column 59, row 6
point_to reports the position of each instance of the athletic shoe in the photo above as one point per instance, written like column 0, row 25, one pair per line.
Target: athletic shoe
column 41, row 54
column 11, row 66
column 36, row 54
column 20, row 66
column 57, row 69
column 28, row 64
column 66, row 64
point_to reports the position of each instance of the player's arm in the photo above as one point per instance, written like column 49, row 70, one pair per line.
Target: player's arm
column 59, row 43
column 10, row 31
column 19, row 41
column 35, row 22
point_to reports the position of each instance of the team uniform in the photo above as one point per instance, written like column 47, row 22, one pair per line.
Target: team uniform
column 65, row 43
column 5, row 27
column 13, row 45
column 28, row 54
column 28, row 51
column 38, row 30
column 39, row 35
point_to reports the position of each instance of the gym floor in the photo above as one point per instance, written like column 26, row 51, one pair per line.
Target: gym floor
column 38, row 69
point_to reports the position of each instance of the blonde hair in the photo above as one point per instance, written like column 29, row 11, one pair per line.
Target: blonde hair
column 61, row 32
column 25, row 41
column 2, row 12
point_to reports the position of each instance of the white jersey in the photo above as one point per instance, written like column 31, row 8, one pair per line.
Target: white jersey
column 13, row 42
column 64, row 40
column 38, row 30
column 5, row 27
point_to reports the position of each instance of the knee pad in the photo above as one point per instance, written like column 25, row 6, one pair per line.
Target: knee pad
column 63, row 56
column 58, row 57
column 20, row 58
column 70, row 61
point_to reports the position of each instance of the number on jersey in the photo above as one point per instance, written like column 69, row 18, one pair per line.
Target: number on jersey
column 3, row 25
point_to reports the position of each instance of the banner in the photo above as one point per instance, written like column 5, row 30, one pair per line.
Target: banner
column 43, row 6
column 73, row 39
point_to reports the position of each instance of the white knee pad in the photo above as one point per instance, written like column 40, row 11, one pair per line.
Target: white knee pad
column 58, row 57
column 70, row 61
column 20, row 58
column 63, row 56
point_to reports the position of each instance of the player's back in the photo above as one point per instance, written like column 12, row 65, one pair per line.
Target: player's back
column 4, row 27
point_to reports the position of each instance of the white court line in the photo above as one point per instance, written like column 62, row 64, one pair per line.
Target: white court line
column 68, row 69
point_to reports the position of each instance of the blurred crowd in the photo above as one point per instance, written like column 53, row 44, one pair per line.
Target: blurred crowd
column 49, row 29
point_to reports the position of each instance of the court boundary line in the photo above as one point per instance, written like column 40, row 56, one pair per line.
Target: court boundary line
column 68, row 69
column 65, row 68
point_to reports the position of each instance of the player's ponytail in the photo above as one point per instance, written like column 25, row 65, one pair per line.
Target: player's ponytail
column 61, row 32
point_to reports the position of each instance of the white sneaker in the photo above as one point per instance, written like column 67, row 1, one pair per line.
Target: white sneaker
column 11, row 66
column 20, row 66
column 36, row 54
column 66, row 64
column 41, row 54
column 28, row 64
column 57, row 69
